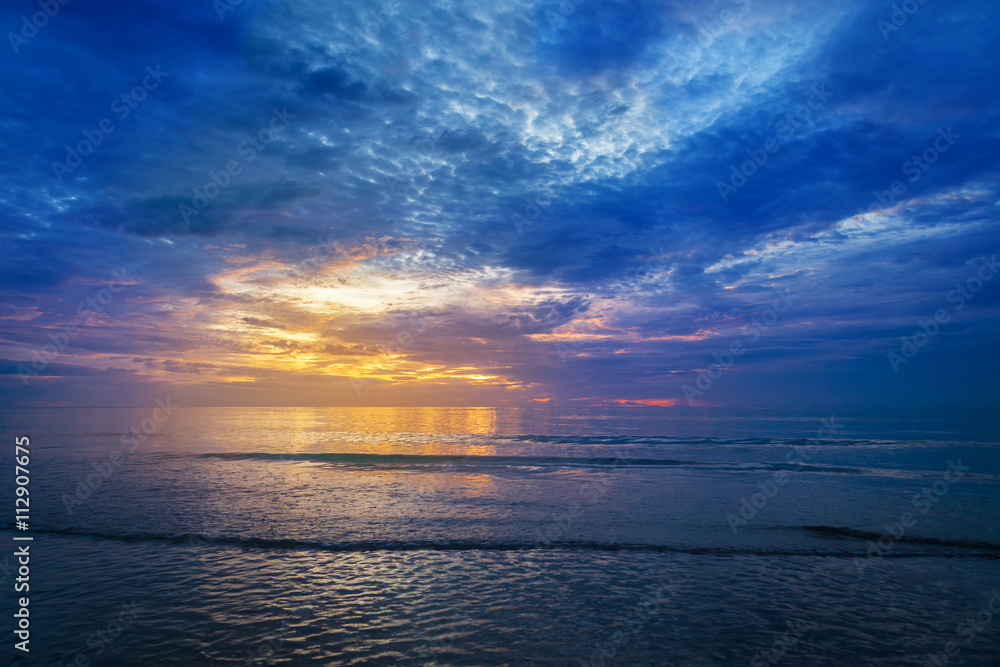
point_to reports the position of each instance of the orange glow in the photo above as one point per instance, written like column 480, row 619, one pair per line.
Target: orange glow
column 657, row 402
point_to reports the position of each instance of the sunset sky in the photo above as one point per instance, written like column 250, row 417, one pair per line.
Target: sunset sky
column 476, row 203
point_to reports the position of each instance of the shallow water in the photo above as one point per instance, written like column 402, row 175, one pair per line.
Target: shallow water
column 482, row 536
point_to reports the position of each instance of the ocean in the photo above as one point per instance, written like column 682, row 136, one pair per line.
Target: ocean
column 478, row 536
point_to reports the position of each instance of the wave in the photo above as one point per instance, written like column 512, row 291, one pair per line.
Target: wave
column 688, row 440
column 455, row 460
column 460, row 461
column 838, row 532
column 965, row 550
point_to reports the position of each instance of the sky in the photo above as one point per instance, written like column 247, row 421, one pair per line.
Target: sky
column 558, row 203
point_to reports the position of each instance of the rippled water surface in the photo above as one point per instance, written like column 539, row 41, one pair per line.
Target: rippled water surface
column 492, row 537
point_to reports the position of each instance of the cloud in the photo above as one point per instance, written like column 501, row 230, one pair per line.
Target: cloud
column 501, row 202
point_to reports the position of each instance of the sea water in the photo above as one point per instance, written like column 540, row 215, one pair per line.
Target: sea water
column 480, row 536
